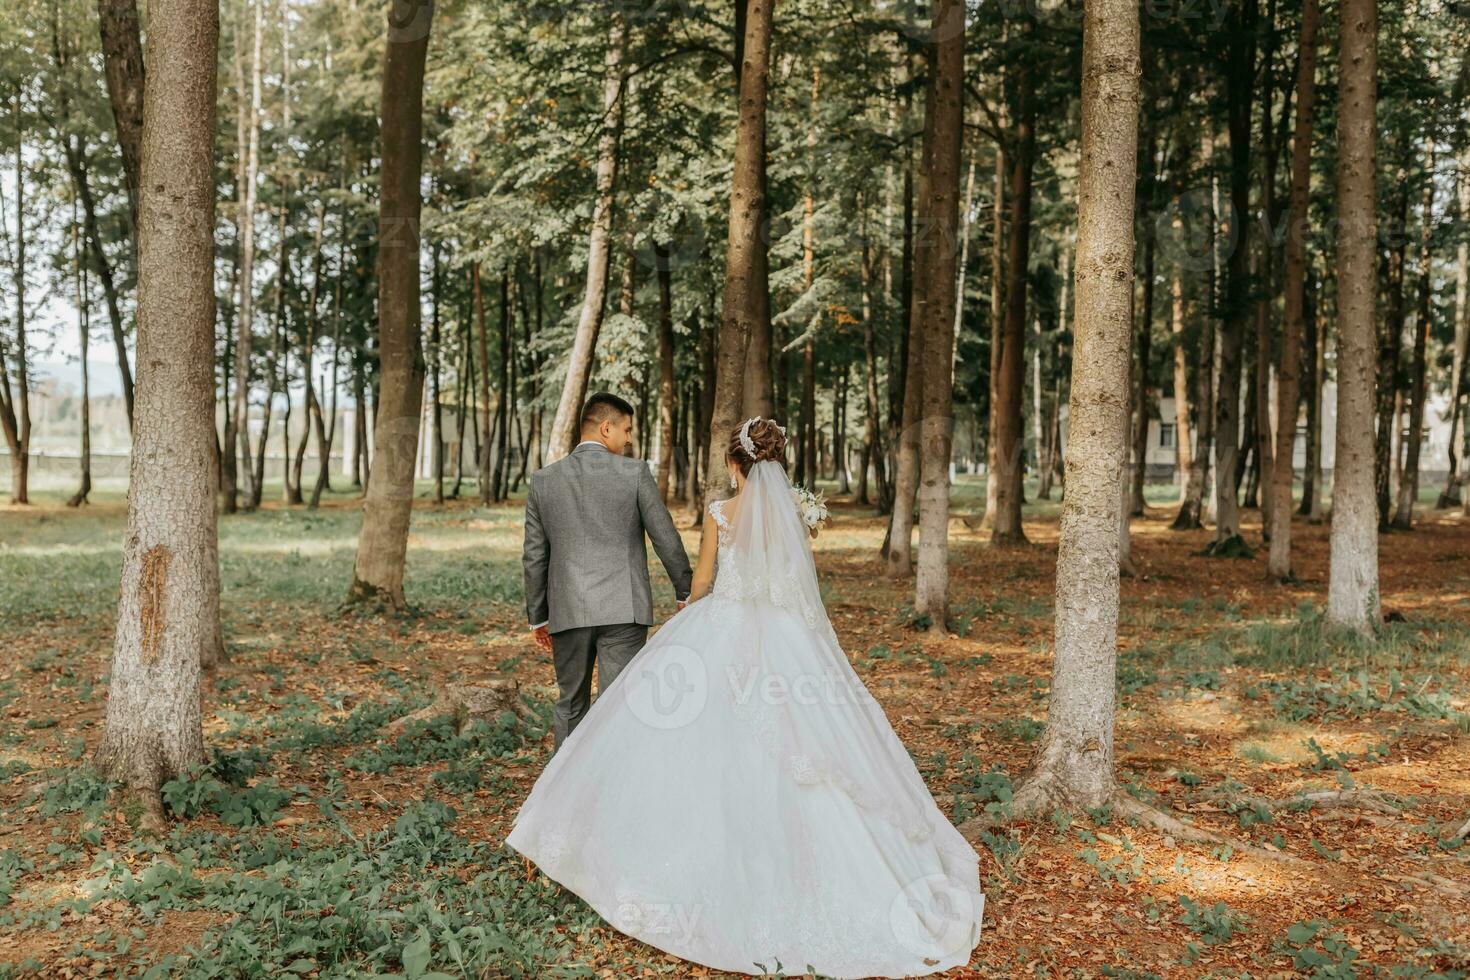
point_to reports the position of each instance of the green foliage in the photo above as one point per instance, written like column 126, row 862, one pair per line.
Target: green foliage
column 1215, row 924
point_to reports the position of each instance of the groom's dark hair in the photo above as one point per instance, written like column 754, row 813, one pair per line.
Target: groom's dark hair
column 603, row 406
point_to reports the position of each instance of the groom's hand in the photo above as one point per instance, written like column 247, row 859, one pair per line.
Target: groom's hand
column 542, row 638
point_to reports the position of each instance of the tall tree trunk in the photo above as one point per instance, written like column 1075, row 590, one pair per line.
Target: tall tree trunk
column 378, row 574
column 1010, row 385
column 1314, row 366
column 310, row 331
column 873, row 427
column 1142, row 392
column 997, row 325
column 436, row 340
column 1352, row 587
column 840, row 472
column 742, row 300
column 1409, row 478
column 758, row 397
column 1183, row 449
column 566, row 425
column 502, row 417
column 1073, row 766
column 17, row 413
column 75, row 150
column 1239, row 89
column 935, row 309
column 462, row 407
column 122, row 63
column 1289, row 370
column 1451, row 494
column 1390, row 348
column 483, row 430
column 248, row 131
column 84, row 331
column 667, row 433
column 168, row 609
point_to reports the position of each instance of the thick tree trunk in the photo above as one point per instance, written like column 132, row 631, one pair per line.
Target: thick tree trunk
column 936, row 308
column 1073, row 765
column 743, row 286
column 567, row 423
column 1289, row 370
column 1403, row 517
column 1352, row 589
column 378, row 573
column 1010, row 385
column 168, row 610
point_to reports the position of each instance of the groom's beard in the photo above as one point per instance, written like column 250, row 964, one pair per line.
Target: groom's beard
column 628, row 450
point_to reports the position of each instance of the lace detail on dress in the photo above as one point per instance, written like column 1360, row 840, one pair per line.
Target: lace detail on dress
column 779, row 587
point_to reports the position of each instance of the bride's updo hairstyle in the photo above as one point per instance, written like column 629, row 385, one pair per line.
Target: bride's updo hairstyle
column 757, row 440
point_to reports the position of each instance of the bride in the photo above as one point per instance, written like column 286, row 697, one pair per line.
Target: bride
column 736, row 796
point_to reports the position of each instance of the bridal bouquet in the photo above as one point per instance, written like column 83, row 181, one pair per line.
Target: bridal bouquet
column 812, row 506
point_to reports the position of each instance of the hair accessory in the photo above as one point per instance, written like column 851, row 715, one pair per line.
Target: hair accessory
column 746, row 442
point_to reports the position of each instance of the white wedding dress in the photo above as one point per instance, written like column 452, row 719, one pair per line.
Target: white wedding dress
column 737, row 797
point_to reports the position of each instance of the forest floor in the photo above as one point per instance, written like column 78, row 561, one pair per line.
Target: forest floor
column 317, row 845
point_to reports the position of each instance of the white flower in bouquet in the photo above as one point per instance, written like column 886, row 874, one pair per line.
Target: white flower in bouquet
column 812, row 506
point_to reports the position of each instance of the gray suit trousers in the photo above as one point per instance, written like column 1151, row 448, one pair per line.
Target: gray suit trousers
column 573, row 652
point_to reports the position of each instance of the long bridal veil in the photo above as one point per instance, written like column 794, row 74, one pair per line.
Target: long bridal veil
column 769, row 552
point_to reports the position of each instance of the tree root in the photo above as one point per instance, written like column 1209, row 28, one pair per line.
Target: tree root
column 1434, row 882
column 1364, row 799
column 1041, row 792
column 1464, row 829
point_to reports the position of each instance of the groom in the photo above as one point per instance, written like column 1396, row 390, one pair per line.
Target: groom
column 587, row 589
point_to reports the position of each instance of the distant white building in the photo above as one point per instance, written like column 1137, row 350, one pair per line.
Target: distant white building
column 1434, row 459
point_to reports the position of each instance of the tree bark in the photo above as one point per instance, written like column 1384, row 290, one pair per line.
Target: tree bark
column 1073, row 765
column 742, row 301
column 168, row 610
column 378, row 573
column 1288, row 371
column 567, row 423
column 935, row 309
column 1314, row 365
column 1352, row 588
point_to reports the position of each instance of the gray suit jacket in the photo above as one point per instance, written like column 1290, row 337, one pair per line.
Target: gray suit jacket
column 585, row 560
